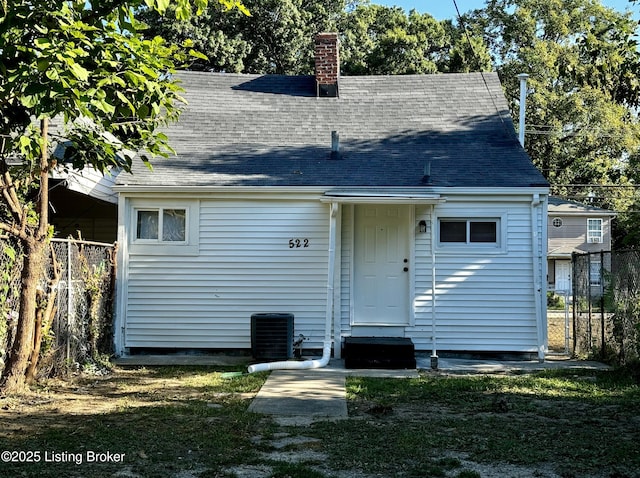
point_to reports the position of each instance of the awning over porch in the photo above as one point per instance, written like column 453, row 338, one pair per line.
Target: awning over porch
column 562, row 252
column 380, row 196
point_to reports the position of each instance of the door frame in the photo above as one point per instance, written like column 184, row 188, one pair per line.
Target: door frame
column 410, row 231
column 555, row 278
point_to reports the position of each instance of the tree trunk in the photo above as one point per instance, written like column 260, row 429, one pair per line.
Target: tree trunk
column 32, row 272
column 34, row 242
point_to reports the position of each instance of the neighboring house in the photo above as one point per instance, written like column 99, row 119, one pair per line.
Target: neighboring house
column 574, row 227
column 420, row 217
column 83, row 204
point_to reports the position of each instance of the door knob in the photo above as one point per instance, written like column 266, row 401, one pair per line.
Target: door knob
column 406, row 269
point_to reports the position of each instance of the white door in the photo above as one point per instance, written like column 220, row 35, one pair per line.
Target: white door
column 563, row 276
column 381, row 265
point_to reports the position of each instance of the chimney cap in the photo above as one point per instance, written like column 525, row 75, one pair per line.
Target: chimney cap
column 327, row 36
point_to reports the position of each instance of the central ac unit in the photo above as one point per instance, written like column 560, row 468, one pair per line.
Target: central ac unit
column 272, row 336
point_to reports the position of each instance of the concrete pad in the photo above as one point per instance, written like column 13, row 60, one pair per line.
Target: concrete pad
column 457, row 365
column 337, row 366
column 302, row 393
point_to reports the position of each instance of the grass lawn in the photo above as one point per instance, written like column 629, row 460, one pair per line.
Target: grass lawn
column 192, row 422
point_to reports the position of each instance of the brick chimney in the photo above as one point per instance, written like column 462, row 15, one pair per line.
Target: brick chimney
column 327, row 64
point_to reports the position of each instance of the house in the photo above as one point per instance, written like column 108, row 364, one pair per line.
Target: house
column 380, row 206
column 82, row 203
column 575, row 227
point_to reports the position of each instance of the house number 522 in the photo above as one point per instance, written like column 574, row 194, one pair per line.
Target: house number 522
column 296, row 243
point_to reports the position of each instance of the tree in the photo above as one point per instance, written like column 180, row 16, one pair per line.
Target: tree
column 379, row 40
column 466, row 53
column 79, row 75
column 276, row 38
column 582, row 58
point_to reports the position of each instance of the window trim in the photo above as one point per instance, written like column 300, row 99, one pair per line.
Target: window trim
column 190, row 246
column 498, row 247
column 593, row 234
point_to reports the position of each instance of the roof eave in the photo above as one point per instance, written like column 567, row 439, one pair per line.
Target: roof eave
column 383, row 191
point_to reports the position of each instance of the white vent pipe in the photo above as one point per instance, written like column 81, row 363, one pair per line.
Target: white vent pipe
column 335, row 142
column 523, row 103
column 292, row 365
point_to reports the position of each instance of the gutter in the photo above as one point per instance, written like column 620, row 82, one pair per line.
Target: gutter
column 434, row 350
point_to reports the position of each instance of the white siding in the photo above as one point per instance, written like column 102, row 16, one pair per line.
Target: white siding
column 244, row 266
column 484, row 300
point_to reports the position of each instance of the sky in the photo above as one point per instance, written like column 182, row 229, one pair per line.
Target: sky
column 444, row 9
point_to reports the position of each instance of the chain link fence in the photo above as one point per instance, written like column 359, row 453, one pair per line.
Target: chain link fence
column 10, row 279
column 80, row 278
column 559, row 322
column 606, row 306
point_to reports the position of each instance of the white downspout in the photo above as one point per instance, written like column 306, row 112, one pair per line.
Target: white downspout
column 434, row 350
column 536, row 261
column 523, row 103
column 337, row 324
column 122, row 274
column 326, row 351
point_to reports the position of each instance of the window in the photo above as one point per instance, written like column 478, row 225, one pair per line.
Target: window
column 594, row 231
column 162, row 225
column 557, row 222
column 479, row 231
column 595, row 275
column 453, row 231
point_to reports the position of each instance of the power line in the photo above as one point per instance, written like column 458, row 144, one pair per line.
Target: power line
column 577, row 185
column 569, row 135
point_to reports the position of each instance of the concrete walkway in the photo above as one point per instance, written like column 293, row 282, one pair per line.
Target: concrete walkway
column 300, row 397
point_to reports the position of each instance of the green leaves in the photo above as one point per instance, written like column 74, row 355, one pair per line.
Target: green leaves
column 78, row 71
column 184, row 8
column 385, row 40
column 196, row 54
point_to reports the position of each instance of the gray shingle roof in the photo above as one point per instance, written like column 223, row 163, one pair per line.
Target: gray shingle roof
column 561, row 206
column 264, row 130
